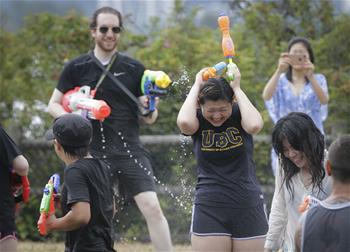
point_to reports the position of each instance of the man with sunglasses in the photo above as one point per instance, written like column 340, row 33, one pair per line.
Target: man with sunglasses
column 116, row 139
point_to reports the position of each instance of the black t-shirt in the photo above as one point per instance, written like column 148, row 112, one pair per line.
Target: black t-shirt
column 226, row 170
column 8, row 152
column 83, row 71
column 87, row 180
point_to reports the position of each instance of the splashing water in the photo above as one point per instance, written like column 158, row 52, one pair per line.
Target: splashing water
column 183, row 197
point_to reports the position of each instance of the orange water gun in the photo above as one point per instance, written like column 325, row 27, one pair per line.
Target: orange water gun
column 47, row 207
column 80, row 100
column 20, row 189
column 214, row 71
column 228, row 47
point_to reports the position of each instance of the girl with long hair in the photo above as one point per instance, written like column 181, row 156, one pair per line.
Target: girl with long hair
column 294, row 87
column 300, row 146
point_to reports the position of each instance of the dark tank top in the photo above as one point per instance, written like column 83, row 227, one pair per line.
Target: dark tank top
column 326, row 228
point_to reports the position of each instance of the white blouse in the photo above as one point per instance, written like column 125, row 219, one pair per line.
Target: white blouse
column 284, row 214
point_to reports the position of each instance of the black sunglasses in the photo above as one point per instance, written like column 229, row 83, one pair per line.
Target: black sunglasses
column 115, row 29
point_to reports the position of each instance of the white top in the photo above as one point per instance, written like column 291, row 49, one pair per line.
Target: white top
column 284, row 214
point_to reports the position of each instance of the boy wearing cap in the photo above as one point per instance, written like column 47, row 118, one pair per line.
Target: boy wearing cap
column 86, row 194
column 326, row 227
column 11, row 160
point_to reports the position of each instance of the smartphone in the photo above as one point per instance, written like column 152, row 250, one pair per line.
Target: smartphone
column 298, row 59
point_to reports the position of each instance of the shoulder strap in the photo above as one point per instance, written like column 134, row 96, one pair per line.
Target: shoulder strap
column 105, row 70
column 115, row 80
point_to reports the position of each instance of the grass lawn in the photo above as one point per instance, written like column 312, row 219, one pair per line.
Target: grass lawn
column 25, row 246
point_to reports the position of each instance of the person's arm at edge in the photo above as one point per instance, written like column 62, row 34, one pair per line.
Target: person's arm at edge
column 55, row 108
column 78, row 216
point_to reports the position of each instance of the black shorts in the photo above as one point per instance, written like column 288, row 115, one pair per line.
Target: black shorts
column 8, row 228
column 7, row 216
column 132, row 175
column 238, row 223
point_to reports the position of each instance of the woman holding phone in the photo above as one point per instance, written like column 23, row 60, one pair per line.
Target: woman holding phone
column 294, row 87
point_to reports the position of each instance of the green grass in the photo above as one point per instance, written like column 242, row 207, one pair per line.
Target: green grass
column 26, row 246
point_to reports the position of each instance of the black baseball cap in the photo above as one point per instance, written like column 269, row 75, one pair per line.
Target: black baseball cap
column 71, row 130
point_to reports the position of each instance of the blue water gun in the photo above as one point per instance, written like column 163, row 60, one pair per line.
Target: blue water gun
column 153, row 84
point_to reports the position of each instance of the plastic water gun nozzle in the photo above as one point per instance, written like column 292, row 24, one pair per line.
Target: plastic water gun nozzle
column 214, row 71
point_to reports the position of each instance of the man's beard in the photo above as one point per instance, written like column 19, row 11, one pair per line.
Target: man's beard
column 104, row 48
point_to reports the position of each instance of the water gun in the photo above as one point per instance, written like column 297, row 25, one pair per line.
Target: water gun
column 214, row 71
column 153, row 84
column 47, row 207
column 20, row 187
column 228, row 47
column 308, row 202
column 81, row 100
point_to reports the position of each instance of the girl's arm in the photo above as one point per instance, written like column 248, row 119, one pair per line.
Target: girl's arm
column 321, row 95
column 270, row 88
column 278, row 216
column 252, row 121
column 187, row 118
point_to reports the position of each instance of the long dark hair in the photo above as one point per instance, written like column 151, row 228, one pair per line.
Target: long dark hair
column 303, row 135
column 215, row 89
column 308, row 47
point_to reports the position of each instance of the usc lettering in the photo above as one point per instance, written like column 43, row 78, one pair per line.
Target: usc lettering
column 221, row 141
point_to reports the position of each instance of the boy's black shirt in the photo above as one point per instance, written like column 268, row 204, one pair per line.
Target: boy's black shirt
column 87, row 180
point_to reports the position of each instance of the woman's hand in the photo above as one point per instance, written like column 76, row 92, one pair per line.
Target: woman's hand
column 236, row 83
column 309, row 69
column 199, row 77
column 283, row 63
